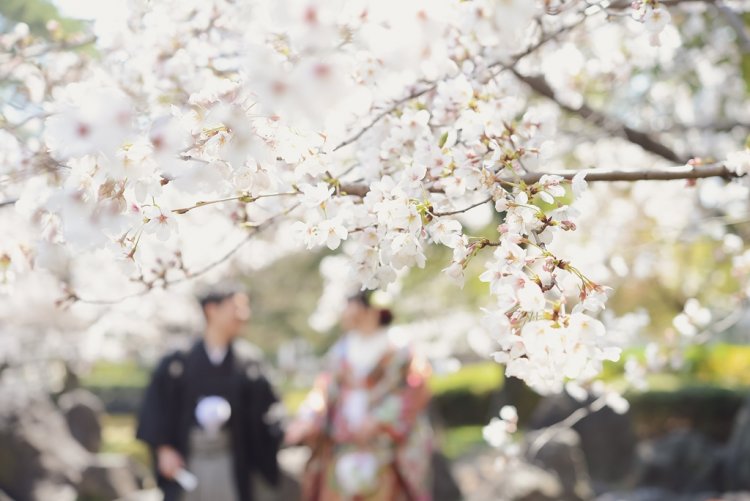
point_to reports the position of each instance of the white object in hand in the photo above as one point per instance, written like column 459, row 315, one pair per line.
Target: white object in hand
column 357, row 472
column 187, row 480
column 212, row 412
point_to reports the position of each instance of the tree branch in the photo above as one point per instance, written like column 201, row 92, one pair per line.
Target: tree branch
column 626, row 4
column 189, row 275
column 459, row 211
column 663, row 174
column 539, row 85
column 433, row 85
column 737, row 24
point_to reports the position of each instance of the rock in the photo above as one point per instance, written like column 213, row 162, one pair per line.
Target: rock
column 736, row 496
column 525, row 482
column 643, row 494
column 37, row 452
column 83, row 411
column 144, row 495
column 682, row 461
column 482, row 479
column 52, row 490
column 737, row 453
column 559, row 451
column 444, row 485
column 658, row 494
column 607, row 438
column 108, row 476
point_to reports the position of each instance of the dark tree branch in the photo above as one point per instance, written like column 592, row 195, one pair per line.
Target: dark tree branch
column 643, row 139
column 665, row 174
column 625, row 4
column 738, row 25
column 430, row 86
column 610, row 175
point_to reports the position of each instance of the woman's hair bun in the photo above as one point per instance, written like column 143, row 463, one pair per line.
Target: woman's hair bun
column 386, row 316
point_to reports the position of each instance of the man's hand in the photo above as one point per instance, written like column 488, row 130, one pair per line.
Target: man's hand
column 169, row 461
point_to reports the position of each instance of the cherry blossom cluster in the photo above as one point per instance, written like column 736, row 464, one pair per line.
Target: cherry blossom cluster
column 654, row 17
column 367, row 128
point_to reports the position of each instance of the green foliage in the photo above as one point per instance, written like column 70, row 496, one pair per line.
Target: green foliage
column 118, row 436
column 116, row 374
column 287, row 294
column 723, row 364
column 696, row 268
column 293, row 399
column 477, row 379
column 720, row 365
column 458, row 441
column 36, row 13
column 709, row 410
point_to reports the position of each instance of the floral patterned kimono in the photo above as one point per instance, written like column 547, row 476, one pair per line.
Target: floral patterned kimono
column 389, row 389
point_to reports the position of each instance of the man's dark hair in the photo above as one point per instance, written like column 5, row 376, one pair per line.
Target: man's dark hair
column 217, row 294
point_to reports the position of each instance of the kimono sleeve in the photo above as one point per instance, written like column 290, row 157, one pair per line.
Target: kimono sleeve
column 156, row 417
column 315, row 409
column 266, row 424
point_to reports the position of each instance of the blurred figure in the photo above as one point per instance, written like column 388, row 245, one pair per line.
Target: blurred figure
column 365, row 418
column 205, row 414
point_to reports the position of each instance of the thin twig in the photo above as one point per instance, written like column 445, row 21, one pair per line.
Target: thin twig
column 189, row 275
column 459, row 211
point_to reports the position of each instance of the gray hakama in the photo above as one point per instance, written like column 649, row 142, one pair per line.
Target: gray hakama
column 211, row 462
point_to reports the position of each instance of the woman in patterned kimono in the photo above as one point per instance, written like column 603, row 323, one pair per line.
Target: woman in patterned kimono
column 365, row 418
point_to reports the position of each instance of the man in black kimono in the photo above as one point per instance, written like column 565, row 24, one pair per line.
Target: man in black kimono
column 178, row 418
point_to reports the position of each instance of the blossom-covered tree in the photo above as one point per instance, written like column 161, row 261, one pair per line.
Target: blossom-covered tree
column 202, row 136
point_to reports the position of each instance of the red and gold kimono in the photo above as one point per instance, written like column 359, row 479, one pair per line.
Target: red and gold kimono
column 391, row 394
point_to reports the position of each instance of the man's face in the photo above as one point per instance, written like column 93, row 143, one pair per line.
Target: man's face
column 229, row 316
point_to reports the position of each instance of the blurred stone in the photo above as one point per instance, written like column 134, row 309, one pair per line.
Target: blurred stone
column 682, row 461
column 108, row 476
column 482, row 478
column 643, row 494
column 559, row 451
column 83, row 411
column 521, row 481
column 607, row 438
column 658, row 494
column 37, row 452
column 44, row 491
column 145, row 495
column 737, row 453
